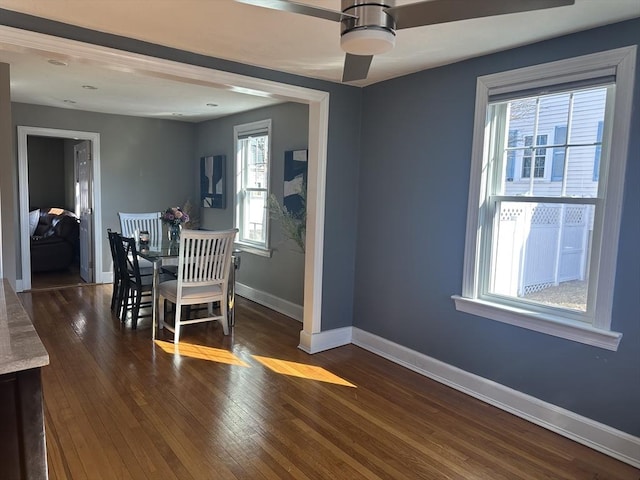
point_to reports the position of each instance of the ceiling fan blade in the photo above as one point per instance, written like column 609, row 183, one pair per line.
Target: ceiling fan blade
column 431, row 12
column 294, row 7
column 356, row 67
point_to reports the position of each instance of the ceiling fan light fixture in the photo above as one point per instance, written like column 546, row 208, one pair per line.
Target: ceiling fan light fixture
column 367, row 41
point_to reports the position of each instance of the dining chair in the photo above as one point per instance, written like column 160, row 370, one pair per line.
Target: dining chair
column 117, row 277
column 204, row 262
column 131, row 224
column 134, row 282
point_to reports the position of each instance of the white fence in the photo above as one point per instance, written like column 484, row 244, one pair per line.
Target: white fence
column 540, row 245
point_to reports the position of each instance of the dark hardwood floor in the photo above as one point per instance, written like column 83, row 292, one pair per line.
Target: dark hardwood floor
column 58, row 279
column 254, row 406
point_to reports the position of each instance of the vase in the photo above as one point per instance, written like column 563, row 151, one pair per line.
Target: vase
column 174, row 233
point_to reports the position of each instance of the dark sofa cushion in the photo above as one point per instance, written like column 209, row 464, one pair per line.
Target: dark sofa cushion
column 66, row 227
column 44, row 228
column 55, row 244
column 50, row 220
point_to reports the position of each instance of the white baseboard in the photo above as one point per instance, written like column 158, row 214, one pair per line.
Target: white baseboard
column 268, row 300
column 19, row 287
column 107, row 277
column 321, row 341
column 600, row 437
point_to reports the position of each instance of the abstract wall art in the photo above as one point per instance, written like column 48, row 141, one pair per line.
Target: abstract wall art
column 212, row 181
column 295, row 181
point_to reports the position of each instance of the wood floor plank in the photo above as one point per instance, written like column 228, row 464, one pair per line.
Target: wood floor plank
column 58, row 469
column 118, row 406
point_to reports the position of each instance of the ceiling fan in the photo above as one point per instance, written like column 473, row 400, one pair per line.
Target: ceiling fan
column 368, row 27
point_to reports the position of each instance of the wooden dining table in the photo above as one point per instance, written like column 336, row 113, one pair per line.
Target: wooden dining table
column 166, row 253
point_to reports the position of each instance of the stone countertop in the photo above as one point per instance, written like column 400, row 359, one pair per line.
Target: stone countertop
column 20, row 345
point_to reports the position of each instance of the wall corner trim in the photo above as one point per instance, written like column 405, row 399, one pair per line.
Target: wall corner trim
column 326, row 340
column 600, row 437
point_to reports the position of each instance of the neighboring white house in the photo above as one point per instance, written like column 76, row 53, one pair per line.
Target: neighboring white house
column 552, row 148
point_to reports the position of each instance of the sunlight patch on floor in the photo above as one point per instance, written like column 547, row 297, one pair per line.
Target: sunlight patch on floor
column 282, row 367
column 201, row 352
column 294, row 369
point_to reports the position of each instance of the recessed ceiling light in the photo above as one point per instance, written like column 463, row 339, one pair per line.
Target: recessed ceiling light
column 58, row 63
column 89, row 87
column 177, row 114
column 212, row 104
column 69, row 101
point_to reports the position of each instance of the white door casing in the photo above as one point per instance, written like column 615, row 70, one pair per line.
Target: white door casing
column 23, row 185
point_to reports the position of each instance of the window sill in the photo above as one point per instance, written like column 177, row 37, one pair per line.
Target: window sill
column 263, row 252
column 556, row 326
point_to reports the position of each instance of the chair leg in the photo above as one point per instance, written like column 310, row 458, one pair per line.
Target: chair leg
column 114, row 295
column 118, row 305
column 123, row 297
column 176, row 323
column 163, row 302
column 129, row 305
column 223, row 321
column 124, row 305
column 119, row 294
column 136, row 309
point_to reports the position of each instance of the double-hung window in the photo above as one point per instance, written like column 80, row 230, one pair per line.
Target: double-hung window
column 253, row 160
column 550, row 149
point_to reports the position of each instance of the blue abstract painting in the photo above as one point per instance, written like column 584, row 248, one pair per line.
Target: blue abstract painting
column 212, row 181
column 295, row 181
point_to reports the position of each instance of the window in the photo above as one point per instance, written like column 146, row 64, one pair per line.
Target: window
column 252, row 185
column 540, row 156
column 534, row 254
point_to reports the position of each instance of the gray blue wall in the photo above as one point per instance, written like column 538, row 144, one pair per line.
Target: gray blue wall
column 414, row 178
column 281, row 275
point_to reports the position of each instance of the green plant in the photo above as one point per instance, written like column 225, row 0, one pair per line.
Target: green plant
column 294, row 225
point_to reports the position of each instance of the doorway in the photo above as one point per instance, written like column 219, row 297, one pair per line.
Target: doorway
column 86, row 204
column 311, row 337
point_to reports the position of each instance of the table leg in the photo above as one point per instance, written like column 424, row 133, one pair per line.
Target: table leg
column 231, row 293
column 154, row 298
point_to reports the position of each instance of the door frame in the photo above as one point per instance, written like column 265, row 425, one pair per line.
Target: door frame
column 312, row 339
column 23, row 188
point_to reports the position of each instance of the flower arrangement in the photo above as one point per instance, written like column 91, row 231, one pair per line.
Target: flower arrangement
column 175, row 216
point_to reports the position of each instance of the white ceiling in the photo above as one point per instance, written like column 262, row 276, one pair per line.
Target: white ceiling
column 256, row 36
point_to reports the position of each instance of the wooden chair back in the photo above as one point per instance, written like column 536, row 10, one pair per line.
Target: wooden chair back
column 204, row 258
column 132, row 224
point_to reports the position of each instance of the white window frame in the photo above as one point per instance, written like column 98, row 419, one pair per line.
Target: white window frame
column 618, row 63
column 260, row 127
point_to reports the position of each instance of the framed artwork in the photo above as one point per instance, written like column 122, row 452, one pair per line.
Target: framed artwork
column 212, row 181
column 295, row 181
